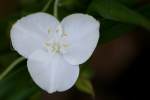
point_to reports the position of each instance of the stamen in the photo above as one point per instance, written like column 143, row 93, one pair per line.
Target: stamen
column 57, row 43
column 49, row 30
column 64, row 34
column 65, row 45
column 59, row 30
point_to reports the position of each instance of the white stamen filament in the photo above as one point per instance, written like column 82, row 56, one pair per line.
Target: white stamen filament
column 56, row 47
column 58, row 43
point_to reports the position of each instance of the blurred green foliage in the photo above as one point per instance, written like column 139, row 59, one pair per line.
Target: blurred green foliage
column 83, row 83
column 117, row 17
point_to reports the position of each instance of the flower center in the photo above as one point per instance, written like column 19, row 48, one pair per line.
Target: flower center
column 56, row 43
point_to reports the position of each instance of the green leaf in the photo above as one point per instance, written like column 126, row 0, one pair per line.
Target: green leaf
column 18, row 85
column 114, row 31
column 110, row 9
column 8, row 83
column 145, row 10
column 22, row 93
column 67, row 7
column 74, row 4
column 31, row 6
column 36, row 96
column 85, row 86
column 83, row 83
column 6, row 58
column 86, row 71
column 129, row 2
column 111, row 29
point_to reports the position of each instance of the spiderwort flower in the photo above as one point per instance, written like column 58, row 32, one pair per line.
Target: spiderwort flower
column 54, row 50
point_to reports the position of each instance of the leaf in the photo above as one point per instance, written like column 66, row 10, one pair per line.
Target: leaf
column 145, row 10
column 6, row 58
column 86, row 71
column 85, row 85
column 110, row 9
column 18, row 85
column 36, row 96
column 8, row 83
column 31, row 6
column 74, row 4
column 115, row 31
column 67, row 7
column 22, row 93
column 129, row 2
column 111, row 29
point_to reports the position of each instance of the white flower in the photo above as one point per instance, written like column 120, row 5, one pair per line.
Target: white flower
column 54, row 50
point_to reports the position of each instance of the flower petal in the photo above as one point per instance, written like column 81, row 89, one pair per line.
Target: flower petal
column 82, row 34
column 51, row 72
column 28, row 33
column 66, row 74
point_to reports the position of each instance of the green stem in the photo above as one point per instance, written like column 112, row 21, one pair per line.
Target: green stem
column 47, row 6
column 11, row 66
column 55, row 9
